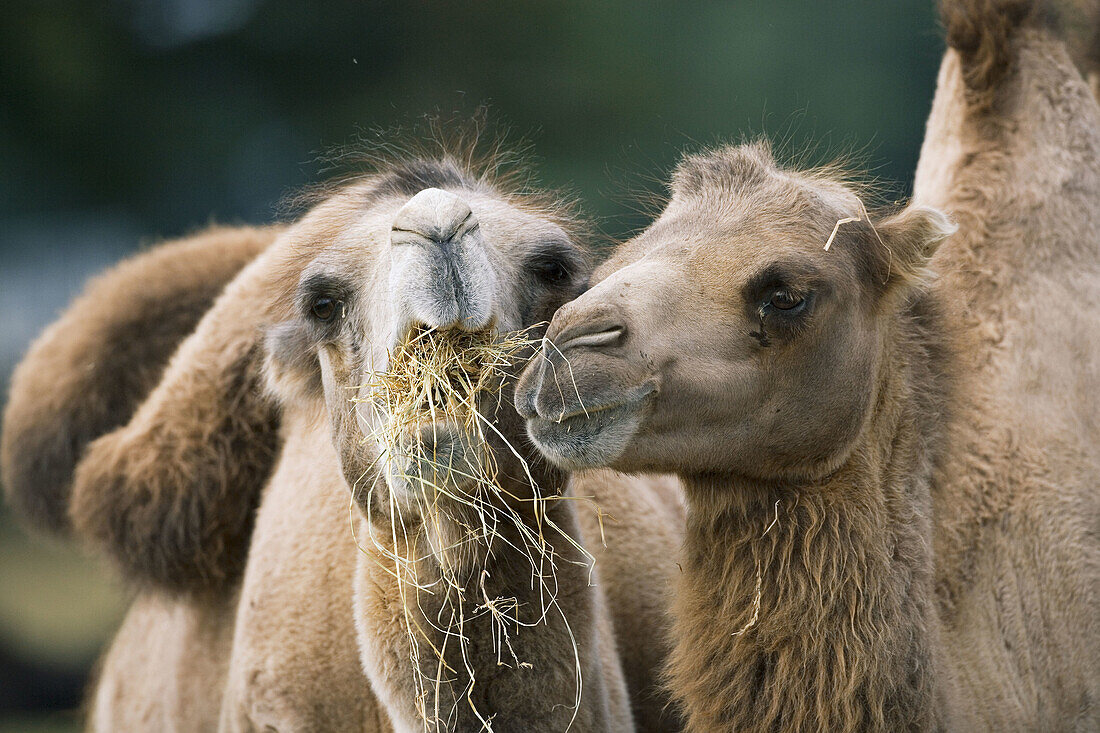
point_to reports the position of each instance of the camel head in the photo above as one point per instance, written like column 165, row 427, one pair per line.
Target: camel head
column 433, row 256
column 727, row 337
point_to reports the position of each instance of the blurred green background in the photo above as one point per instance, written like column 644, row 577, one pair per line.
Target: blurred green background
column 128, row 120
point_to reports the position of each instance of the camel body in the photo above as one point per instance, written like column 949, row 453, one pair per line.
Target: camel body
column 281, row 656
column 1016, row 497
column 292, row 665
column 889, row 445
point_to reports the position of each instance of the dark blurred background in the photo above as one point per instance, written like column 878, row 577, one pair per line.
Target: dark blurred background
column 126, row 121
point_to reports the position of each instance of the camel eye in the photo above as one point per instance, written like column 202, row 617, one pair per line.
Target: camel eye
column 553, row 271
column 324, row 309
column 785, row 300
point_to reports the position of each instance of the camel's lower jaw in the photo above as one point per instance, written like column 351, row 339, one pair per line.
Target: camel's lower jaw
column 439, row 459
column 589, row 440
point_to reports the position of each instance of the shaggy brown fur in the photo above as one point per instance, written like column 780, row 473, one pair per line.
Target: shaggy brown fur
column 1080, row 24
column 90, row 370
column 893, row 517
column 845, row 614
column 982, row 32
column 59, row 404
column 173, row 501
column 1015, row 499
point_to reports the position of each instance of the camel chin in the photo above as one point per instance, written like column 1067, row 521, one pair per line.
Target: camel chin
column 584, row 407
column 439, row 457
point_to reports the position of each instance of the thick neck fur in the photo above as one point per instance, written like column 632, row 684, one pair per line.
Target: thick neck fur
column 810, row 607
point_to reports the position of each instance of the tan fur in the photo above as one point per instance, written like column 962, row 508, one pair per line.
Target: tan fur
column 1079, row 22
column 636, row 549
column 293, row 666
column 893, row 513
column 166, row 668
column 1015, row 539
column 805, row 567
column 167, row 662
column 81, row 379
column 294, row 660
column 87, row 373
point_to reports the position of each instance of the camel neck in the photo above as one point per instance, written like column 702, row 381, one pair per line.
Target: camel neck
column 810, row 606
column 490, row 624
column 464, row 532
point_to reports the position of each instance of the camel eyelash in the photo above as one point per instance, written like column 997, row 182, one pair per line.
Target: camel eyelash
column 318, row 290
column 785, row 323
column 786, row 301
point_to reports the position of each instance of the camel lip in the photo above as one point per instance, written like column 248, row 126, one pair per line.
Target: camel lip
column 433, row 451
column 594, row 419
column 428, row 430
column 587, row 441
column 633, row 399
column 582, row 411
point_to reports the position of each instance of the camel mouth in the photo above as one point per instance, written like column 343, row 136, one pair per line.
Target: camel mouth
column 435, row 405
column 440, row 373
column 439, row 457
column 582, row 413
column 587, row 439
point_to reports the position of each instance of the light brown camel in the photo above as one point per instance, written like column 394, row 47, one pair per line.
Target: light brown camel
column 84, row 377
column 893, row 511
column 112, row 499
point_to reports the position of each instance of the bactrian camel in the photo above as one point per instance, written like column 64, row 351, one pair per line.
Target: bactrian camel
column 887, row 430
column 149, row 491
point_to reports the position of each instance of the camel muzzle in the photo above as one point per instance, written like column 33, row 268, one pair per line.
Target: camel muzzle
column 440, row 272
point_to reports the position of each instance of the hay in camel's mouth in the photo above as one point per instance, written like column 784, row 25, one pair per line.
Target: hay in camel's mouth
column 434, row 407
column 451, row 382
column 441, row 376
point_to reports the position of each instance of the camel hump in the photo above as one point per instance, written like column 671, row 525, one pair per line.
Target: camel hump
column 88, row 372
column 983, row 33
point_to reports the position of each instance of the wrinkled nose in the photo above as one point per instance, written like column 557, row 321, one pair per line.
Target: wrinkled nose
column 441, row 275
column 548, row 388
column 433, row 217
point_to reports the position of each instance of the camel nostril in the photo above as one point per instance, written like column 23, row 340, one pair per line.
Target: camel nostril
column 580, row 325
column 587, row 335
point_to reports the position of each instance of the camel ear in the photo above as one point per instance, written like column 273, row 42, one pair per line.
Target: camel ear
column 88, row 372
column 171, row 496
column 292, row 371
column 911, row 237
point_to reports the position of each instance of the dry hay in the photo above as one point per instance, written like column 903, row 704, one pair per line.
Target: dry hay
column 457, row 377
